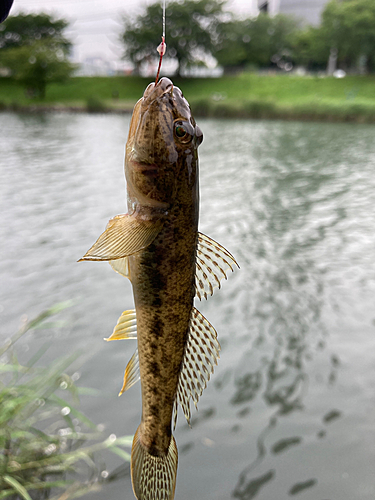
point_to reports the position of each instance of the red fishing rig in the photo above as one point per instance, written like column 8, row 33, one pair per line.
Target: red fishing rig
column 162, row 47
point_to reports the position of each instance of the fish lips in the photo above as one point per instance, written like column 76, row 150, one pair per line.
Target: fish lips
column 153, row 91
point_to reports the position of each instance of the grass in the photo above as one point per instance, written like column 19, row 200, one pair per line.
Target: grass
column 47, row 446
column 245, row 95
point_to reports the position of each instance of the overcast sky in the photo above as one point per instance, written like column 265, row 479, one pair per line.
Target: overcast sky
column 95, row 25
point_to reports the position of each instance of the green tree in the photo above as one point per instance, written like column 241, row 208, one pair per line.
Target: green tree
column 310, row 49
column 24, row 29
column 231, row 49
column 262, row 41
column 348, row 27
column 191, row 30
column 35, row 51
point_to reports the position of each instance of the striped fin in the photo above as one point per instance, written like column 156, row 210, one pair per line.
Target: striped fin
column 124, row 235
column 121, row 266
column 132, row 374
column 126, row 327
column 213, row 261
column 201, row 354
column 153, row 477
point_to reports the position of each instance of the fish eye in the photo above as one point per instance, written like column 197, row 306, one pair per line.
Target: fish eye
column 180, row 131
column 183, row 132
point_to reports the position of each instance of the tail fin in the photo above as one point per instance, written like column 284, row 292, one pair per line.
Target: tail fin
column 153, row 478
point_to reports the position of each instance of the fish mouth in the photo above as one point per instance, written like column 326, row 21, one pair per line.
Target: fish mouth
column 152, row 92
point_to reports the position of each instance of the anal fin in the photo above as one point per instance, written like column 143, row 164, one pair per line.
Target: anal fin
column 131, row 375
column 126, row 328
column 213, row 261
column 201, row 355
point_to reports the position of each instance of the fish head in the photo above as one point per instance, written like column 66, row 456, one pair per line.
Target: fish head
column 161, row 151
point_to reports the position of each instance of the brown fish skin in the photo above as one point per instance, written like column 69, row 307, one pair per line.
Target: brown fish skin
column 162, row 178
column 158, row 247
column 163, row 273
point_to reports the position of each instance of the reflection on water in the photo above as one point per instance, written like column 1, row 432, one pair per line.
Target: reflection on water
column 298, row 487
column 289, row 410
column 251, row 489
column 284, row 444
column 296, row 201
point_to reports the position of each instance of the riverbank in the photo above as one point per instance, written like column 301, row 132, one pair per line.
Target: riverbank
column 247, row 95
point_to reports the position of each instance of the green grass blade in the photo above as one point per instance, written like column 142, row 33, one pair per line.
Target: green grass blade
column 63, row 483
column 5, row 494
column 34, row 323
column 124, row 441
column 77, row 490
column 32, row 465
column 17, row 487
column 121, row 453
column 73, row 411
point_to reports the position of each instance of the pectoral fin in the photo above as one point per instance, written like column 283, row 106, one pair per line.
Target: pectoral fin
column 213, row 261
column 201, row 354
column 125, row 235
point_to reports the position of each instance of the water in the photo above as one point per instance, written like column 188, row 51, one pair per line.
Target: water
column 290, row 409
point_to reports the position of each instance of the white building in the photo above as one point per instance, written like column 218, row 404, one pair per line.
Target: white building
column 307, row 10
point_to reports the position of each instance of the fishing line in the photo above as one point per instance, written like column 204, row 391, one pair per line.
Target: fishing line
column 164, row 18
column 163, row 46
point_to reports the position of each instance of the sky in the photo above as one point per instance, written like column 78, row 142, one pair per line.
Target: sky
column 95, row 25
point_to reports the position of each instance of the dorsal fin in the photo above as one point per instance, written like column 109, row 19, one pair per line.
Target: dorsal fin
column 213, row 261
column 124, row 235
column 201, row 354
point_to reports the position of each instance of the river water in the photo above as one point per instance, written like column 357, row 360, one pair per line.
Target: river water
column 290, row 410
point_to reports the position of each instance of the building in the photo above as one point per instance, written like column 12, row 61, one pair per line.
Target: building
column 307, row 10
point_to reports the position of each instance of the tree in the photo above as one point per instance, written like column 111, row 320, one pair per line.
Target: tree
column 36, row 65
column 310, row 49
column 35, row 51
column 262, row 41
column 190, row 31
column 24, row 29
column 231, row 49
column 348, row 27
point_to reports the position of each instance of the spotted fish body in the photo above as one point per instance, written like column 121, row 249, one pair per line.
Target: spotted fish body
column 158, row 247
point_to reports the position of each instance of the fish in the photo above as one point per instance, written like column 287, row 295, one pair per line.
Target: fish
column 158, row 247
